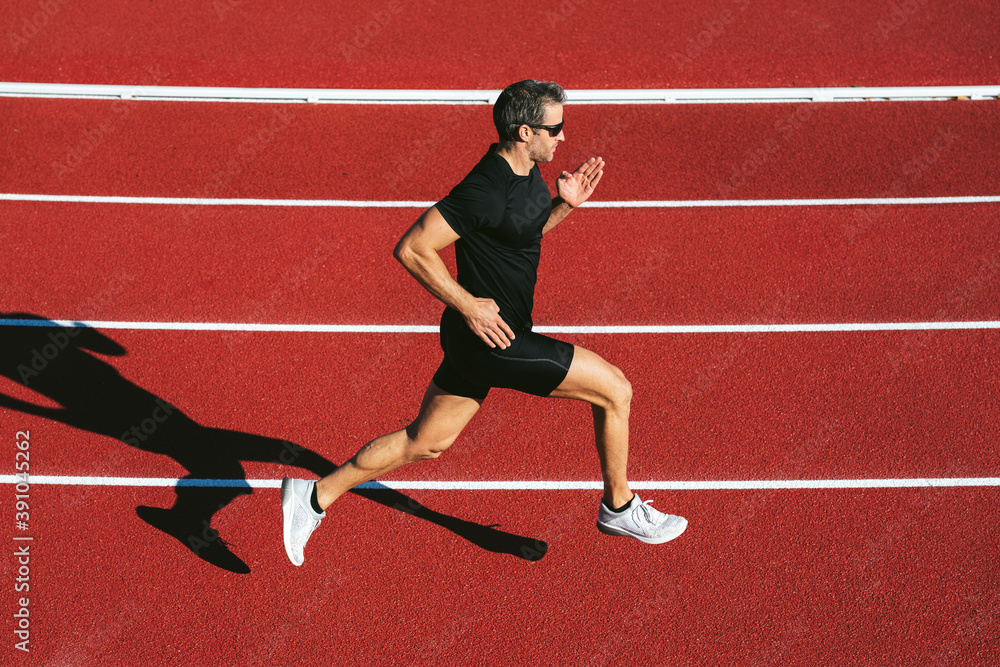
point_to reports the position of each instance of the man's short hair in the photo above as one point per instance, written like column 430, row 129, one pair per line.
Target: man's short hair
column 523, row 103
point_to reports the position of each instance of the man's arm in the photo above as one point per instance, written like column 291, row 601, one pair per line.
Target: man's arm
column 418, row 251
column 560, row 209
column 574, row 189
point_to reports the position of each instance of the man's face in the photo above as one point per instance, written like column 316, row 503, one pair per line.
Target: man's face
column 542, row 145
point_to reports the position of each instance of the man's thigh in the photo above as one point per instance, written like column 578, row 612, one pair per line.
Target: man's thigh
column 592, row 379
column 442, row 416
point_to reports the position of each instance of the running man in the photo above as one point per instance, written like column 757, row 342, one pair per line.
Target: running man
column 496, row 218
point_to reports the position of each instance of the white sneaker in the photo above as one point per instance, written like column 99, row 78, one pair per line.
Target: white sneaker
column 298, row 518
column 642, row 522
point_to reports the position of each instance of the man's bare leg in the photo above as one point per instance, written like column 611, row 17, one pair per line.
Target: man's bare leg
column 442, row 418
column 596, row 381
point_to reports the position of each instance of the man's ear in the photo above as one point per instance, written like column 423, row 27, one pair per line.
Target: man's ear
column 524, row 132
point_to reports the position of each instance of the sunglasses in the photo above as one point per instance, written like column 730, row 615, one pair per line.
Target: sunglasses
column 554, row 130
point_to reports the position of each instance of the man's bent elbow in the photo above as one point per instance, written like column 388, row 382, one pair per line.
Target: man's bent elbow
column 403, row 252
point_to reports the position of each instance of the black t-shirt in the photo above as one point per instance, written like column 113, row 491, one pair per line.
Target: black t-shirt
column 499, row 217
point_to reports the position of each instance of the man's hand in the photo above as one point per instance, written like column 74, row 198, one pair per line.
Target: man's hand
column 483, row 318
column 577, row 187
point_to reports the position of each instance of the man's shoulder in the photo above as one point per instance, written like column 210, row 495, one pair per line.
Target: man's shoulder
column 487, row 179
column 479, row 199
column 491, row 167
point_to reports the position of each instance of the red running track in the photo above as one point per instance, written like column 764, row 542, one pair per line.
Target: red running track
column 767, row 151
column 769, row 577
column 706, row 407
column 762, row 577
column 904, row 577
column 837, row 264
column 582, row 44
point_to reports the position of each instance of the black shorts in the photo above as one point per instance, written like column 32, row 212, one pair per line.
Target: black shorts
column 533, row 363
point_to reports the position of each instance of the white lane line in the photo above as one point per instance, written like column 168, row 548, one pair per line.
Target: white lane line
column 224, row 326
column 446, row 96
column 834, row 327
column 195, row 201
column 541, row 485
column 756, row 203
column 358, row 203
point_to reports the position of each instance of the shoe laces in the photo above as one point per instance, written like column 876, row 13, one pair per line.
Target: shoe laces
column 648, row 513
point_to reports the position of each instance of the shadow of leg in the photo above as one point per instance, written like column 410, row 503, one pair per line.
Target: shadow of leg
column 485, row 537
column 190, row 522
column 215, row 454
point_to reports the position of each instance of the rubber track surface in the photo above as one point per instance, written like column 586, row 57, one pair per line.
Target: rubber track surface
column 581, row 43
column 768, row 151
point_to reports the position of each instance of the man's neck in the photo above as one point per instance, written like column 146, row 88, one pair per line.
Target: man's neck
column 516, row 155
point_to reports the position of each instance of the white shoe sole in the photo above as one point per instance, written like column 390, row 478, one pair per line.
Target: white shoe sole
column 618, row 532
column 287, row 509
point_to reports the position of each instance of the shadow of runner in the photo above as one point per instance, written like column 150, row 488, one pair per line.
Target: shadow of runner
column 484, row 537
column 58, row 363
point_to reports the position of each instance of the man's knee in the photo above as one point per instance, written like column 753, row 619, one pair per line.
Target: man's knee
column 422, row 452
column 614, row 392
column 423, row 447
column 621, row 396
column 428, row 454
